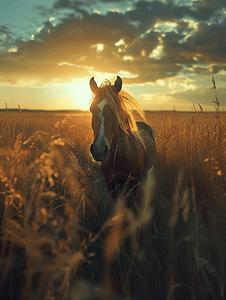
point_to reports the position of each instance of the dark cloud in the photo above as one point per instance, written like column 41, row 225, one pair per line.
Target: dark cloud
column 74, row 5
column 113, row 1
column 6, row 39
column 210, row 42
column 43, row 10
column 216, row 68
column 86, row 43
column 202, row 96
column 147, row 13
column 146, row 44
column 64, row 4
column 210, row 4
column 4, row 29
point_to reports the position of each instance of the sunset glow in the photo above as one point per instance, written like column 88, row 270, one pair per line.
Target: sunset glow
column 168, row 50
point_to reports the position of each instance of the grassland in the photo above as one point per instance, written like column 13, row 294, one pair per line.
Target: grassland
column 63, row 237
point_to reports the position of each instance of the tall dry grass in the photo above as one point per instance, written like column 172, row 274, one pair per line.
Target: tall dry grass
column 190, row 173
column 62, row 237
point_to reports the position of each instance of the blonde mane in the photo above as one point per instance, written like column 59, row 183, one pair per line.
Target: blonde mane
column 122, row 104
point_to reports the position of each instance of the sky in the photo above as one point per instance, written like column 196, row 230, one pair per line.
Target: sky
column 165, row 51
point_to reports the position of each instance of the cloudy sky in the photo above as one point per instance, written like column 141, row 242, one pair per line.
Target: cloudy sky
column 165, row 51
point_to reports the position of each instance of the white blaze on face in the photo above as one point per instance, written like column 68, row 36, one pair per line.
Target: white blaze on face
column 101, row 136
column 101, row 105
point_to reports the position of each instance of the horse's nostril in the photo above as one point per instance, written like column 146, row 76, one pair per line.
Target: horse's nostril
column 106, row 150
column 99, row 154
column 91, row 149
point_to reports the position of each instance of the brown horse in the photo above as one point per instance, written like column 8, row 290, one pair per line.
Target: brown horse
column 125, row 148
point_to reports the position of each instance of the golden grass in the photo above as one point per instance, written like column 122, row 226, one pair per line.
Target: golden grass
column 62, row 237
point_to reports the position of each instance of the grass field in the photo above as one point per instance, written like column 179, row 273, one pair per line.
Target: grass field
column 63, row 237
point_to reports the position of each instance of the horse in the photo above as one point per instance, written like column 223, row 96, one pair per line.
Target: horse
column 126, row 149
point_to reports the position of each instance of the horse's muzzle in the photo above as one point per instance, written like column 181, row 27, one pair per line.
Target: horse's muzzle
column 99, row 153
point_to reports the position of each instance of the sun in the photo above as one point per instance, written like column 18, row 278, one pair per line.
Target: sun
column 78, row 94
column 74, row 95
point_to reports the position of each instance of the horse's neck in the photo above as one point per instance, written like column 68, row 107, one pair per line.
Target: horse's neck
column 120, row 140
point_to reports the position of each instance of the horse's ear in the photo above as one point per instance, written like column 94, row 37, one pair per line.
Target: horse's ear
column 93, row 86
column 118, row 84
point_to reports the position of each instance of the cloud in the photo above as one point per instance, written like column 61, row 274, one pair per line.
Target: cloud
column 112, row 1
column 202, row 96
column 150, row 42
column 65, row 4
column 209, row 4
column 183, row 100
column 210, row 42
column 6, row 38
column 43, row 10
column 4, row 29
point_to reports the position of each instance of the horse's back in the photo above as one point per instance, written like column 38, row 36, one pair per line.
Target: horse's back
column 144, row 126
column 148, row 135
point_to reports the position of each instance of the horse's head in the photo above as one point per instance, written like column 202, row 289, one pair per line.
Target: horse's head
column 104, row 121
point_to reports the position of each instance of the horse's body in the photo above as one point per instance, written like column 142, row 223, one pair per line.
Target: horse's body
column 126, row 153
column 127, row 158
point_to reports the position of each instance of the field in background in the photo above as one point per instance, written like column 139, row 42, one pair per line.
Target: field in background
column 62, row 237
